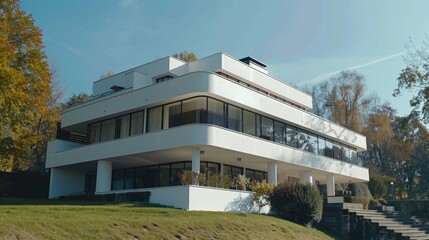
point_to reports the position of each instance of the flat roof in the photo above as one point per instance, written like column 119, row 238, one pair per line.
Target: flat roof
column 249, row 58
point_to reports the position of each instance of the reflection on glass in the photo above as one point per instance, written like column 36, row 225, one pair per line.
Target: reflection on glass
column 291, row 136
column 108, row 130
column 136, row 123
column 216, row 111
column 302, row 140
column 234, row 118
column 154, row 119
column 194, row 110
column 337, row 150
column 280, row 132
column 249, row 123
column 123, row 126
column 266, row 129
column 322, row 146
column 172, row 115
column 312, row 144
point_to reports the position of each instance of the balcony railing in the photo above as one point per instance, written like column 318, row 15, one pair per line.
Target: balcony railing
column 70, row 136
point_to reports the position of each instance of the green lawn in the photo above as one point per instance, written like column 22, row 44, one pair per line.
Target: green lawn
column 43, row 219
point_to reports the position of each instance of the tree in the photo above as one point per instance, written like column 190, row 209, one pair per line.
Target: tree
column 107, row 74
column 415, row 78
column 342, row 99
column 75, row 99
column 185, row 56
column 25, row 88
column 379, row 134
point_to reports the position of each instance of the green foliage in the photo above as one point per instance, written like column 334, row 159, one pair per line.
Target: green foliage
column 261, row 192
column 414, row 78
column 226, row 182
column 29, row 112
column 213, row 180
column 377, row 186
column 75, row 99
column 186, row 56
column 297, row 202
column 192, row 178
column 241, row 182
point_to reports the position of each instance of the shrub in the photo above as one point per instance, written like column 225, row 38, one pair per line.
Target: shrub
column 377, row 187
column 358, row 199
column 192, row 178
column 241, row 182
column 5, row 188
column 213, row 180
column 297, row 202
column 226, row 182
column 261, row 192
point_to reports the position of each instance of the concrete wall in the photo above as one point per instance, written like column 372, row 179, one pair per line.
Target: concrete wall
column 66, row 182
column 199, row 198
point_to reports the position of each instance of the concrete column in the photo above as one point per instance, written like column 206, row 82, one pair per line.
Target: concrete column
column 104, row 176
column 306, row 177
column 196, row 159
column 65, row 182
column 330, row 185
column 272, row 173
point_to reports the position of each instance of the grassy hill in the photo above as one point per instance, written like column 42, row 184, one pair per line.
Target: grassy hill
column 43, row 219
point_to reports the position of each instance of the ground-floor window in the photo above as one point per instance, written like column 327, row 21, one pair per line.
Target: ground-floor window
column 169, row 174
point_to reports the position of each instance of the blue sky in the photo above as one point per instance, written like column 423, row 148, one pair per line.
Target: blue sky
column 303, row 42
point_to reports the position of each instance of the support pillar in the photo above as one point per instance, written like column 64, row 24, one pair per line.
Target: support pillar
column 196, row 159
column 272, row 173
column 306, row 178
column 104, row 176
column 330, row 185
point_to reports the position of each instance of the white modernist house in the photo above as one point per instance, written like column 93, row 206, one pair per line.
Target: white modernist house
column 144, row 126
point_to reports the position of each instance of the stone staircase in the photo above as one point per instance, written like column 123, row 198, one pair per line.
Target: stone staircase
column 374, row 224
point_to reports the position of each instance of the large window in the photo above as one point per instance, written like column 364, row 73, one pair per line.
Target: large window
column 280, row 132
column 322, row 146
column 234, row 118
column 154, row 121
column 94, row 132
column 232, row 171
column 312, row 145
column 255, row 175
column 249, row 123
column 329, row 150
column 118, row 181
column 345, row 153
column 108, row 130
column 164, row 175
column 266, row 128
column 337, row 150
column 172, row 115
column 212, row 111
column 302, row 139
column 291, row 136
column 136, row 123
column 216, row 112
column 194, row 110
column 123, row 126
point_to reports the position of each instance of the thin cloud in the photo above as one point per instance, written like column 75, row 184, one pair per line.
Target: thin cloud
column 69, row 48
column 324, row 76
column 126, row 3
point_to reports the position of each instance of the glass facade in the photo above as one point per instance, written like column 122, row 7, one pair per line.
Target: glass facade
column 213, row 111
column 169, row 174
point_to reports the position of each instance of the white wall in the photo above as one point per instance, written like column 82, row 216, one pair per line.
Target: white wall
column 207, row 135
column 66, row 182
column 203, row 83
column 200, row 198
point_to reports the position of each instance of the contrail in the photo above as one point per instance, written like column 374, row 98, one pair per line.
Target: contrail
column 324, row 76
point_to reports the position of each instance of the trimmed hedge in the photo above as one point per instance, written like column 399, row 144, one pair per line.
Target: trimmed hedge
column 297, row 202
